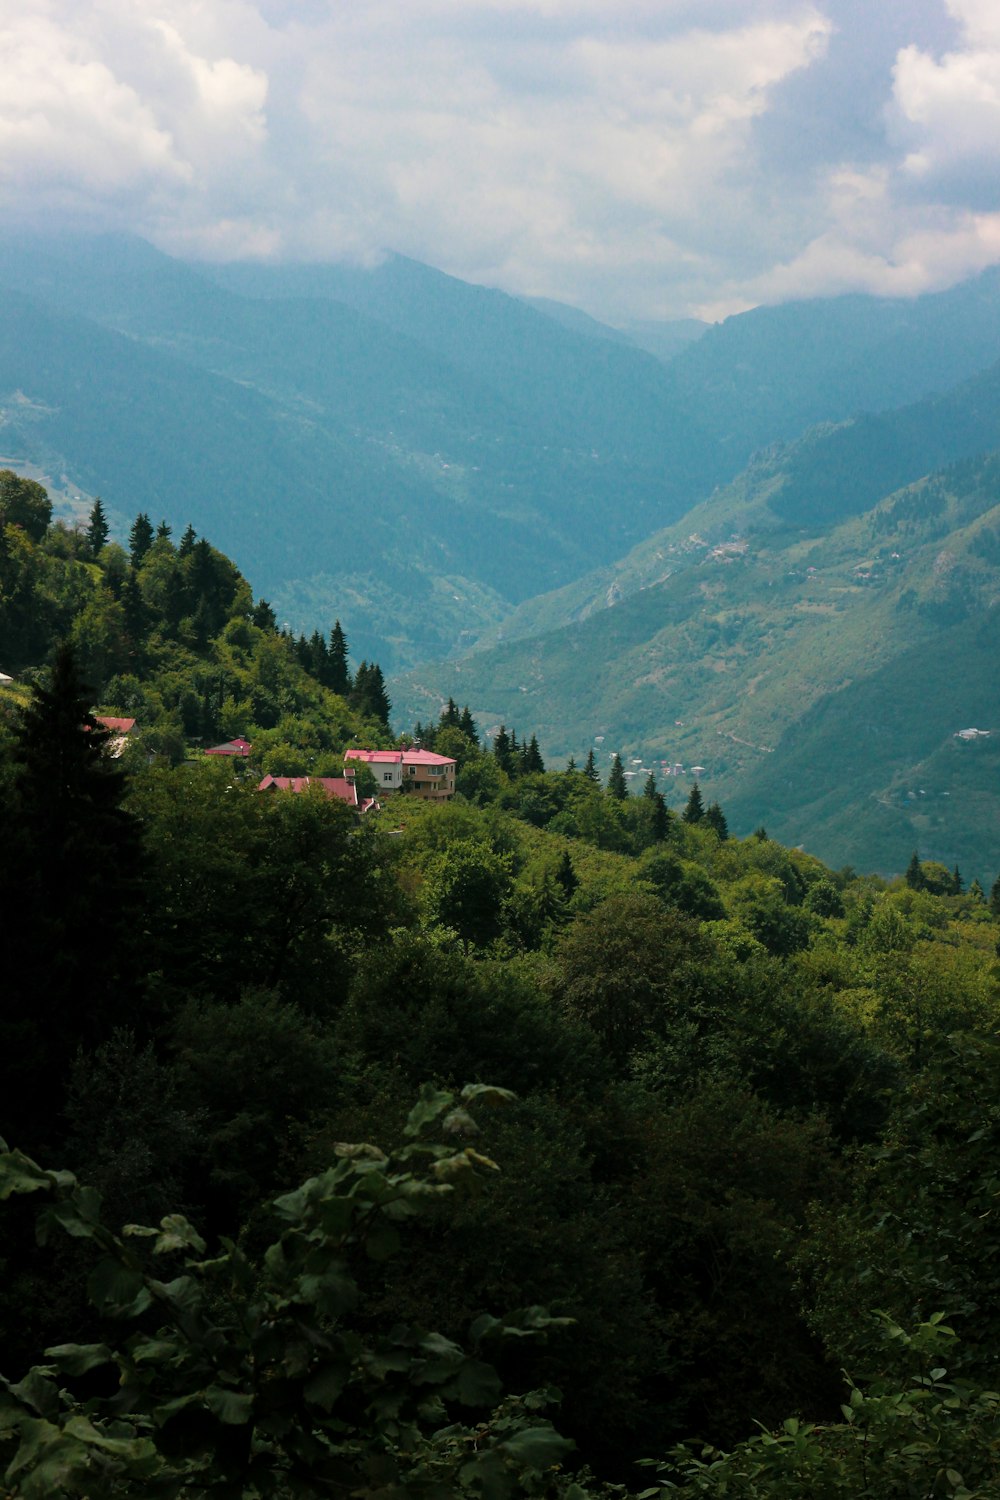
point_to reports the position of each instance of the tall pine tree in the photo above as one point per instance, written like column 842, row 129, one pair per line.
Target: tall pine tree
column 336, row 659
column 694, row 810
column 467, row 725
column 97, row 528
column 140, row 538
column 71, row 871
column 617, row 785
column 716, row 818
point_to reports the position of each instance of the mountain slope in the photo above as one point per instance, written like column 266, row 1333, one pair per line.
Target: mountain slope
column 718, row 663
column 422, row 456
column 831, row 473
column 768, row 374
column 454, row 487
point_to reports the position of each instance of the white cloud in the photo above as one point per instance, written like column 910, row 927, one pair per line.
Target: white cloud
column 614, row 156
column 66, row 119
column 105, row 106
column 950, row 114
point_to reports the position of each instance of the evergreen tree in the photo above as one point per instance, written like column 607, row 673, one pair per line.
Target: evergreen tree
column 210, row 584
column 137, row 619
column 368, row 695
column 449, row 714
column 263, row 616
column 467, row 725
column 382, row 706
column 617, row 785
column 957, row 884
column 716, row 818
column 532, row 758
column 319, row 662
column 187, row 541
column 590, row 769
column 694, row 811
column 164, row 532
column 660, row 825
column 995, row 897
column 140, row 538
column 565, row 875
column 571, row 764
column 71, row 873
column 97, row 528
column 649, row 788
column 914, row 876
column 977, row 893
column 203, row 623
column 502, row 751
column 337, row 668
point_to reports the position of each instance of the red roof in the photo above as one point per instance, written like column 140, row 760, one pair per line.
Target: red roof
column 397, row 757
column 231, row 747
column 426, row 758
column 390, row 757
column 116, row 726
column 341, row 787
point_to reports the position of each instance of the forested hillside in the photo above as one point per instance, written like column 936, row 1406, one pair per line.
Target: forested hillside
column 418, row 474
column 817, row 666
column 420, row 455
column 497, row 1145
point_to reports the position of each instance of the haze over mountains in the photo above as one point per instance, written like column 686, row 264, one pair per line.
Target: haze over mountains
column 629, row 541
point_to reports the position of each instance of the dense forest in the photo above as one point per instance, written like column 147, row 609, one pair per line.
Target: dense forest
column 543, row 1142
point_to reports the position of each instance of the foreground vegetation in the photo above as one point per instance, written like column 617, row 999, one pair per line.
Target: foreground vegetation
column 663, row 1131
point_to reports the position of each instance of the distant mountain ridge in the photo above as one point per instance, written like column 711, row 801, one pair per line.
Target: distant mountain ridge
column 421, row 456
column 460, row 473
column 766, row 653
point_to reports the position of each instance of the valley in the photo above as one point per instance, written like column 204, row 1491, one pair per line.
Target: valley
column 711, row 559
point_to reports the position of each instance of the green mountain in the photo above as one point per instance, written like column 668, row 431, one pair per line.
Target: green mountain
column 418, row 480
column 412, row 453
column 770, row 373
column 763, row 652
column 832, row 472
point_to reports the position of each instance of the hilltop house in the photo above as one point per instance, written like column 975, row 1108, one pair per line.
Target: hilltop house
column 238, row 748
column 419, row 772
column 118, row 729
column 343, row 788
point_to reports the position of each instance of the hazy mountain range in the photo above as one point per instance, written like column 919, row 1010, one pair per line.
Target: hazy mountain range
column 708, row 546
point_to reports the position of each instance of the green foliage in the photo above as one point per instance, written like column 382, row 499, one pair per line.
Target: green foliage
column 253, row 891
column 24, row 503
column 465, row 888
column 626, row 967
column 929, row 1435
column 97, row 528
column 255, row 1374
column 694, row 808
column 617, row 785
column 71, row 870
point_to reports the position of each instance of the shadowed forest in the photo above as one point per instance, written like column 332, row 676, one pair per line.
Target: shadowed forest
column 542, row 1142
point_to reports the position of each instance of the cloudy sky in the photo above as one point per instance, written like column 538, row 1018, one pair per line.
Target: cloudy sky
column 639, row 158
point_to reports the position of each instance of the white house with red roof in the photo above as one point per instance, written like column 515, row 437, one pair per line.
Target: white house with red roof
column 419, row 772
column 118, row 729
column 238, row 748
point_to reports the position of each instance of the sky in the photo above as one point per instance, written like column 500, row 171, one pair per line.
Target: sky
column 636, row 158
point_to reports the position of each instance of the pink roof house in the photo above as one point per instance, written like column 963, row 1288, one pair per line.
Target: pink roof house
column 343, row 788
column 420, row 772
column 237, row 748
